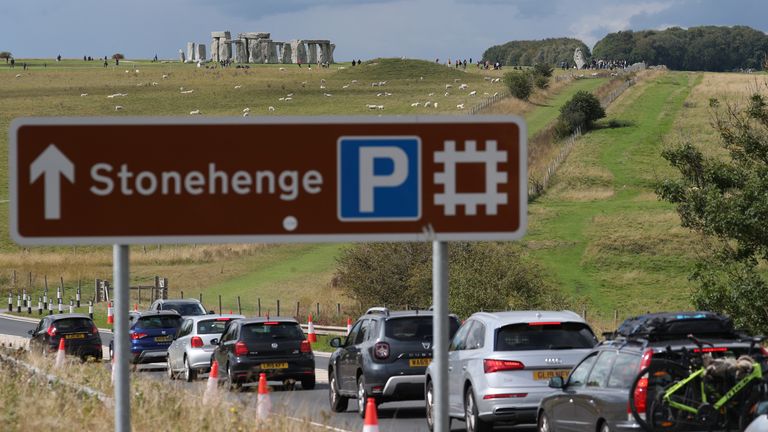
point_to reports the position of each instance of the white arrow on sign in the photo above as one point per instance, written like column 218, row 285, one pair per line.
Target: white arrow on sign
column 52, row 163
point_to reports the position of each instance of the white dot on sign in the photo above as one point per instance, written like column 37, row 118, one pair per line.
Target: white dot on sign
column 290, row 223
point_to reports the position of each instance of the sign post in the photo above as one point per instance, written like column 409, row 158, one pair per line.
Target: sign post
column 268, row 180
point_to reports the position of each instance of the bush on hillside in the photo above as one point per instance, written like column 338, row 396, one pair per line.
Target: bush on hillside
column 543, row 69
column 579, row 113
column 5, row 55
column 118, row 56
column 540, row 81
column 483, row 276
column 519, row 84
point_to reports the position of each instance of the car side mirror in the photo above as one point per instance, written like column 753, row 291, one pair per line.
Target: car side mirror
column 214, row 341
column 30, row 332
column 556, row 382
column 210, row 312
column 335, row 342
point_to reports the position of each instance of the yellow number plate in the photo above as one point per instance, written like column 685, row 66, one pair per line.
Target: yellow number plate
column 419, row 362
column 283, row 365
column 162, row 339
column 75, row 336
column 547, row 374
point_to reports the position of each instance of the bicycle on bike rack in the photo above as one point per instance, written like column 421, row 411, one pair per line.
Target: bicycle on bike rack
column 700, row 391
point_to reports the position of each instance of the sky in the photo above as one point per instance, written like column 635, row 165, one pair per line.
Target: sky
column 361, row 29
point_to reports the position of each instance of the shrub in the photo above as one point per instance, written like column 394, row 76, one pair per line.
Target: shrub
column 540, row 81
column 544, row 70
column 5, row 55
column 519, row 84
column 579, row 113
column 118, row 56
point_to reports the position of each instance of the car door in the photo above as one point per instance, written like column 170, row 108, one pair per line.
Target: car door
column 616, row 395
column 586, row 399
column 560, row 407
column 353, row 353
column 225, row 345
column 36, row 342
column 176, row 350
column 455, row 386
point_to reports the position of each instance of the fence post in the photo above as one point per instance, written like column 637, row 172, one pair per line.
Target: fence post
column 338, row 309
column 259, row 305
column 155, row 288
column 318, row 309
column 39, row 305
column 200, row 297
column 139, row 299
column 297, row 310
column 90, row 308
column 77, row 294
column 219, row 304
column 182, row 294
column 45, row 292
column 239, row 308
column 278, row 307
column 615, row 318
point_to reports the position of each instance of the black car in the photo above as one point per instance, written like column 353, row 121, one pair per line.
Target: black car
column 276, row 346
column 81, row 337
column 384, row 356
column 595, row 397
column 185, row 307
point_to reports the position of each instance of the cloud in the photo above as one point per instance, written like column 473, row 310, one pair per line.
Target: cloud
column 615, row 17
column 264, row 8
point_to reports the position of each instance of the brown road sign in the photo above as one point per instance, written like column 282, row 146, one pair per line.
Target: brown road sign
column 277, row 179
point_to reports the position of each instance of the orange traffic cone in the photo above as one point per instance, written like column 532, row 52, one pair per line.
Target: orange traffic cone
column 136, row 307
column 212, row 386
column 263, row 404
column 110, row 314
column 349, row 325
column 311, row 336
column 60, row 354
column 371, row 423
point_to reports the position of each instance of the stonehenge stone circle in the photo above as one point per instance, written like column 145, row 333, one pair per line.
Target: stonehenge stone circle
column 257, row 47
column 182, row 58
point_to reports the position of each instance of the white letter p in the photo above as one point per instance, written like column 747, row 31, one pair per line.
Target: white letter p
column 369, row 181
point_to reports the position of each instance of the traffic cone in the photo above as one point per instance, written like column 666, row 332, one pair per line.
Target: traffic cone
column 263, row 404
column 371, row 423
column 349, row 325
column 110, row 314
column 136, row 307
column 212, row 386
column 60, row 354
column 311, row 336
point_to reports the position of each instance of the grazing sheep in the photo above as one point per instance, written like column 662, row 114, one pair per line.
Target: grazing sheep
column 154, row 84
column 327, row 94
column 195, row 112
column 463, row 86
column 427, row 104
column 415, row 104
column 18, row 75
column 246, row 114
column 289, row 95
column 187, row 91
column 370, row 106
column 473, row 93
column 271, row 108
column 460, row 106
column 496, row 94
column 345, row 86
column 434, row 105
column 456, row 80
column 379, row 94
column 246, row 109
column 387, row 94
column 83, row 94
column 281, row 99
column 431, row 94
column 238, row 86
column 282, row 69
column 322, row 87
column 322, row 80
column 447, row 86
column 288, row 99
column 117, row 95
column 165, row 76
column 118, row 107
column 446, row 94
column 354, row 81
column 380, row 107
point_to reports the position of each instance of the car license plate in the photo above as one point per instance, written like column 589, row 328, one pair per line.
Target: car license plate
column 75, row 336
column 422, row 362
column 162, row 339
column 282, row 365
column 547, row 374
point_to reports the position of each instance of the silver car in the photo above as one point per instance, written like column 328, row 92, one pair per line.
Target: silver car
column 499, row 364
column 190, row 352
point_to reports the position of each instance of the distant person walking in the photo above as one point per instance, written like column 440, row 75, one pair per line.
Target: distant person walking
column 106, row 63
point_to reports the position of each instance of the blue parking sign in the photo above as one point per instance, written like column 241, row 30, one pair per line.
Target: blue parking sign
column 379, row 178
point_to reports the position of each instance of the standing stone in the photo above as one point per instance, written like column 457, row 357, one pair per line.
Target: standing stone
column 578, row 58
column 287, row 56
column 324, row 49
column 182, row 58
column 298, row 51
column 331, row 48
column 190, row 51
column 239, row 51
column 215, row 49
column 272, row 52
column 225, row 49
column 279, row 51
column 200, row 53
column 253, row 35
column 311, row 52
column 254, row 51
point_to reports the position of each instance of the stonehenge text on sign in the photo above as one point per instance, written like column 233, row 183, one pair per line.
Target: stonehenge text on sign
column 293, row 179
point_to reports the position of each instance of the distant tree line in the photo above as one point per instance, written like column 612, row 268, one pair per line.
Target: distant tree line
column 707, row 48
column 528, row 53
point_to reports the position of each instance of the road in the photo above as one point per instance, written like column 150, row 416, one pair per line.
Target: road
column 299, row 404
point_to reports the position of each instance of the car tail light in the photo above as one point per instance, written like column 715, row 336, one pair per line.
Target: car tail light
column 305, row 347
column 138, row 335
column 271, row 323
column 493, row 365
column 241, row 349
column 641, row 390
column 710, row 349
column 764, row 351
column 95, row 330
column 381, row 350
column 223, row 319
column 51, row 331
column 505, row 395
column 196, row 342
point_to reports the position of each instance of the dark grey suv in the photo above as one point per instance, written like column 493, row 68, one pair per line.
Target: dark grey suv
column 384, row 356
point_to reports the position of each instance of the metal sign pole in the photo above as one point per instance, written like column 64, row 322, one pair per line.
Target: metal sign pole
column 440, row 334
column 122, row 344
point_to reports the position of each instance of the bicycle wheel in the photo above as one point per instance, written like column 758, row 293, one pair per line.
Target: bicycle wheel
column 654, row 414
column 754, row 404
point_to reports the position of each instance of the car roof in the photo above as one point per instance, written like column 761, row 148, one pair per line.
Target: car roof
column 161, row 301
column 515, row 317
column 197, row 318
column 155, row 313
column 259, row 320
column 57, row 317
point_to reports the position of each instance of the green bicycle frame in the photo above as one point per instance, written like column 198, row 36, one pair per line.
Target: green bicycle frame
column 757, row 373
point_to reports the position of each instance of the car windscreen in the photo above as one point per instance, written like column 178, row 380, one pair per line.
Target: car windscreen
column 544, row 336
column 185, row 309
column 159, row 321
column 73, row 324
column 415, row 328
column 212, row 326
column 269, row 331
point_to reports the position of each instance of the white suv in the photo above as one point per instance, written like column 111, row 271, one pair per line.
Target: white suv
column 499, row 364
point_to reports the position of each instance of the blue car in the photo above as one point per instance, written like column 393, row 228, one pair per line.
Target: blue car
column 151, row 333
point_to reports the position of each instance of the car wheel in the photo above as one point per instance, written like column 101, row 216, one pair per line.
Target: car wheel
column 171, row 373
column 429, row 402
column 604, row 427
column 362, row 396
column 189, row 373
column 308, row 383
column 338, row 403
column 544, row 423
column 232, row 385
column 471, row 417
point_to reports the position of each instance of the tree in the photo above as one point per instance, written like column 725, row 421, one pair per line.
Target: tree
column 118, row 56
column 725, row 199
column 519, row 83
column 527, row 53
column 5, row 55
column 579, row 113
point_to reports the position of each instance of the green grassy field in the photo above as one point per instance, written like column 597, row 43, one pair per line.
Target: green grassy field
column 545, row 114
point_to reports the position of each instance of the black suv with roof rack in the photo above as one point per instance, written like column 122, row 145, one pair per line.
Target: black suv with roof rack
column 384, row 356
